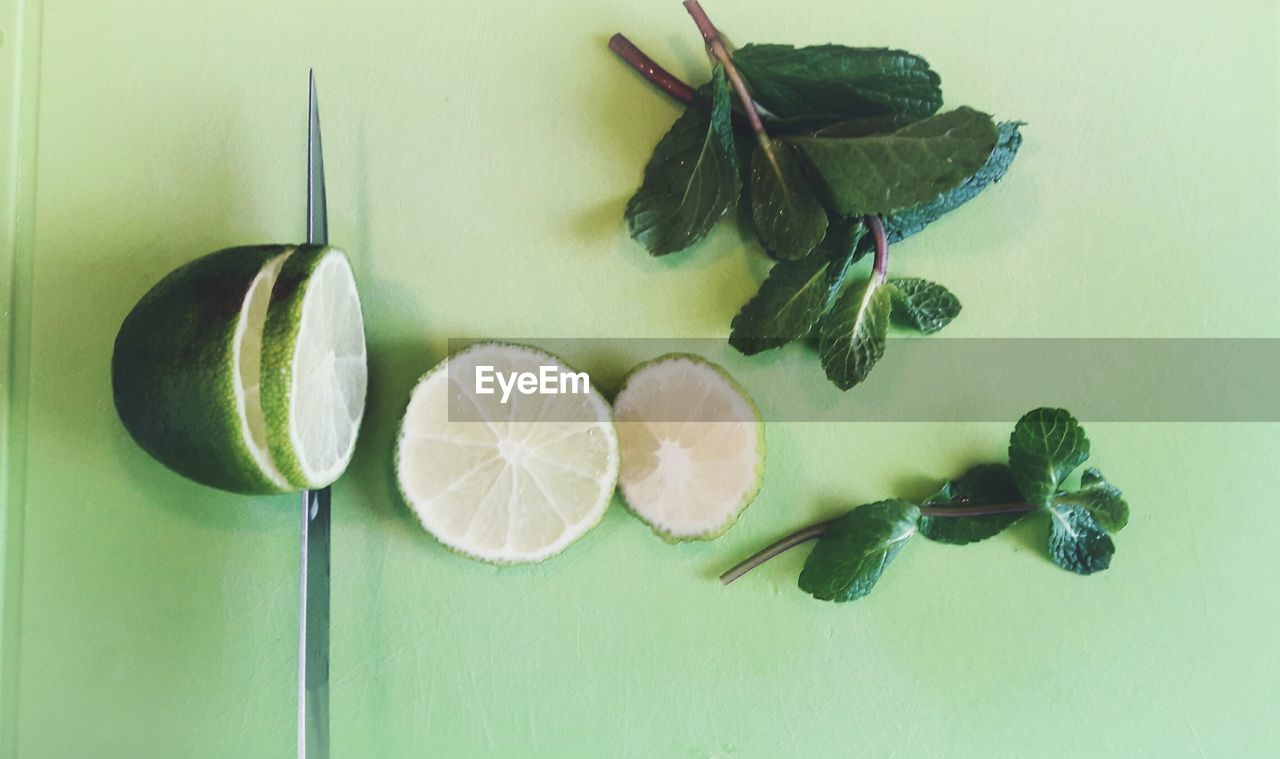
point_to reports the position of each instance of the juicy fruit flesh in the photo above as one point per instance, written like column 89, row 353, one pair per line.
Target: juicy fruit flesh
column 330, row 375
column 506, row 483
column 248, row 358
column 691, row 447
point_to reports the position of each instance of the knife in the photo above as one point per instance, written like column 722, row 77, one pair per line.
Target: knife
column 313, row 623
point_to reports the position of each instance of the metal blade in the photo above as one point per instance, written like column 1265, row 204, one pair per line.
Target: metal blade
column 317, row 209
column 313, row 632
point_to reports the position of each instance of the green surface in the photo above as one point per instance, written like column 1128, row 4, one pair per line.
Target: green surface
column 479, row 156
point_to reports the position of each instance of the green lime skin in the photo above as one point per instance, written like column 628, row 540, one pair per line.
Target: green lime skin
column 173, row 370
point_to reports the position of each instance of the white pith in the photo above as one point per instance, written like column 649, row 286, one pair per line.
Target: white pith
column 329, row 374
column 506, row 483
column 691, row 444
column 248, row 368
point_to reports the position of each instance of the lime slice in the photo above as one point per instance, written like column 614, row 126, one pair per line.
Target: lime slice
column 314, row 367
column 505, row 482
column 248, row 367
column 692, row 447
column 185, row 370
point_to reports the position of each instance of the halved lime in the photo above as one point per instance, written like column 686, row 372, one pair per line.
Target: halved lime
column 692, row 447
column 186, row 365
column 211, row 351
column 314, row 367
column 506, row 481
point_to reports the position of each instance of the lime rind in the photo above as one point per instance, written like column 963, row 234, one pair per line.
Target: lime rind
column 731, row 515
column 175, row 376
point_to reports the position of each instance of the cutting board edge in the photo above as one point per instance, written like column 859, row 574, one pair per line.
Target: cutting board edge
column 19, row 72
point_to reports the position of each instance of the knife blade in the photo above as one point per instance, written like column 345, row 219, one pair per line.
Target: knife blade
column 313, row 623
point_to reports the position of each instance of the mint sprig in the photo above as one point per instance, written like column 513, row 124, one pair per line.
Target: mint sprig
column 824, row 139
column 1047, row 444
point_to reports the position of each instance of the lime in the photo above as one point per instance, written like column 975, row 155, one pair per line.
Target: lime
column 314, row 367
column 506, row 478
column 186, row 364
column 692, row 447
column 187, row 370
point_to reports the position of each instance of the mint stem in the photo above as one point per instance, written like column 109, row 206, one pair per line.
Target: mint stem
column 880, row 269
column 937, row 509
column 947, row 509
column 715, row 46
column 791, row 541
column 649, row 69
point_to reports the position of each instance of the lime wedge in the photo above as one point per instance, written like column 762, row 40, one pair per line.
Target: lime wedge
column 505, row 482
column 186, row 365
column 692, row 447
column 314, row 367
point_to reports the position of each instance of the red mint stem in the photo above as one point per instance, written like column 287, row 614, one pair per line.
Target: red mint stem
column 717, row 49
column 649, row 69
column 880, row 270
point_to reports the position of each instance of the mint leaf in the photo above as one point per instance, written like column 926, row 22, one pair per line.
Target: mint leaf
column 786, row 308
column 691, row 179
column 838, row 81
column 864, row 127
column 1047, row 445
column 923, row 305
column 985, row 484
column 852, row 334
column 785, row 209
column 797, row 293
column 855, row 549
column 1101, row 499
column 828, row 126
column 881, row 174
column 845, row 238
column 906, row 222
column 837, row 270
column 1077, row 542
column 841, row 247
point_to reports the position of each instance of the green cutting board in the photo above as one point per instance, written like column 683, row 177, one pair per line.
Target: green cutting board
column 479, row 157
